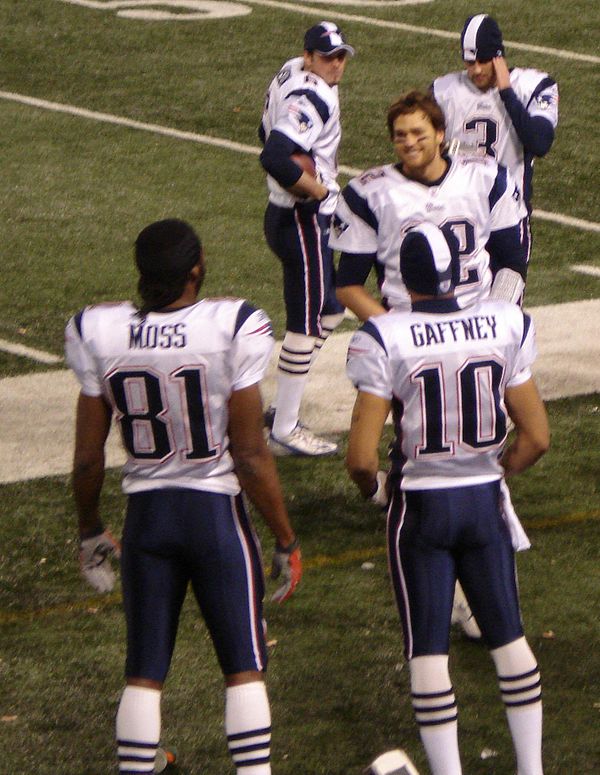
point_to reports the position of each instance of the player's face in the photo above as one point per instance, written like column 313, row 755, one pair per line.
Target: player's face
column 482, row 74
column 330, row 69
column 417, row 144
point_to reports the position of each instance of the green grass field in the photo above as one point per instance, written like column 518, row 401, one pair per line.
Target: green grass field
column 75, row 193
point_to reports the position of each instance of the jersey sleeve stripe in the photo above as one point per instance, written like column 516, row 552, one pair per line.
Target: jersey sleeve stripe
column 359, row 207
column 372, row 330
column 244, row 313
column 320, row 105
column 526, row 327
column 78, row 321
column 498, row 188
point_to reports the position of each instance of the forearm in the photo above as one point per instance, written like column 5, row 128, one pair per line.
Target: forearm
column 87, row 480
column 309, row 187
column 258, row 478
column 535, row 132
column 360, row 301
column 521, row 454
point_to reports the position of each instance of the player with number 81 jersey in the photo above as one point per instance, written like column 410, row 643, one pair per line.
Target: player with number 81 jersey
column 168, row 377
column 446, row 373
column 475, row 198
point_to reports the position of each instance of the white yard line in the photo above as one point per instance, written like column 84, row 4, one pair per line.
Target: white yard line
column 230, row 145
column 592, row 271
column 300, row 8
column 29, row 352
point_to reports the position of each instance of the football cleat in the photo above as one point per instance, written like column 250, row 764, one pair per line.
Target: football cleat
column 463, row 616
column 301, row 442
column 392, row 763
column 165, row 757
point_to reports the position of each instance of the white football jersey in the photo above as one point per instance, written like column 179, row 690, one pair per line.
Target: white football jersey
column 445, row 371
column 302, row 106
column 479, row 124
column 168, row 378
column 474, row 198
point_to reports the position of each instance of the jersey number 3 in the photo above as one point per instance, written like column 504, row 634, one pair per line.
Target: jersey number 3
column 142, row 414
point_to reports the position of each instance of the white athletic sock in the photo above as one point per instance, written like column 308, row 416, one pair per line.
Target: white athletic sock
column 138, row 729
column 435, row 710
column 328, row 325
column 248, row 728
column 521, row 690
column 292, row 375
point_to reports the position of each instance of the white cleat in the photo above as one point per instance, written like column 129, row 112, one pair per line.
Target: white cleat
column 392, row 763
column 301, row 442
column 463, row 616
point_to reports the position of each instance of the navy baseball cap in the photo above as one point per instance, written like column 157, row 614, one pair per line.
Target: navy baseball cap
column 326, row 39
column 167, row 248
column 429, row 260
column 481, row 39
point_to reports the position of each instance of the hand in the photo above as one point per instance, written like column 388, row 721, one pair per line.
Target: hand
column 287, row 563
column 380, row 496
column 94, row 560
column 502, row 73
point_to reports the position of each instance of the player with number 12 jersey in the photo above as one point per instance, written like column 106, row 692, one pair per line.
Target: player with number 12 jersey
column 475, row 198
column 168, row 377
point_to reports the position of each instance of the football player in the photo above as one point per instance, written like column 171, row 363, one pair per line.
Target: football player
column 181, row 377
column 508, row 115
column 302, row 115
column 473, row 197
column 452, row 374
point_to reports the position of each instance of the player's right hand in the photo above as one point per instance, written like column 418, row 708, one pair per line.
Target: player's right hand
column 95, row 560
column 287, row 564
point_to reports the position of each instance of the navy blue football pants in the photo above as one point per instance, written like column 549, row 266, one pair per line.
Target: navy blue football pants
column 171, row 538
column 437, row 536
column 299, row 238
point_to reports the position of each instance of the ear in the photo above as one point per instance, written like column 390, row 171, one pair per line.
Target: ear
column 308, row 60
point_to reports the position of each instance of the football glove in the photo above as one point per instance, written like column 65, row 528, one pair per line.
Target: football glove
column 95, row 563
column 380, row 496
column 287, row 564
column 392, row 763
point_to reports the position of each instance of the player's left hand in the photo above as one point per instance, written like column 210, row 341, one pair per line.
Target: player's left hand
column 380, row 496
column 287, row 564
column 502, row 73
column 95, row 562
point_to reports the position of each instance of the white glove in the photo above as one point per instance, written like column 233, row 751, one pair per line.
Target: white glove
column 508, row 285
column 94, row 560
column 287, row 563
column 380, row 496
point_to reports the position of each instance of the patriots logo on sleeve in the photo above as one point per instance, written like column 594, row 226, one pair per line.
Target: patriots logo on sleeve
column 545, row 101
column 338, row 225
column 302, row 119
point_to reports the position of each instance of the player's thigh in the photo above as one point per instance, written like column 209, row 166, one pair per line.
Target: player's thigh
column 229, row 587
column 154, row 582
column 489, row 578
column 423, row 577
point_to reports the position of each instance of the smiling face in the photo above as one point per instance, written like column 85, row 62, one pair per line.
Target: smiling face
column 482, row 74
column 329, row 68
column 418, row 146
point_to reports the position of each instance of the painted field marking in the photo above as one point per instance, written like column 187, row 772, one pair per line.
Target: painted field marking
column 299, row 8
column 29, row 352
column 94, row 604
column 230, row 145
column 592, row 271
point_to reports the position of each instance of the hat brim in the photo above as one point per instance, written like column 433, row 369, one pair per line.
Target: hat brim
column 336, row 50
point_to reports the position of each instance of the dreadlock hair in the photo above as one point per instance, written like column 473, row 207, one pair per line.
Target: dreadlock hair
column 165, row 253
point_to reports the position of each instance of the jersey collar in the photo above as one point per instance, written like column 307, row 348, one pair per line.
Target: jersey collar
column 436, row 305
